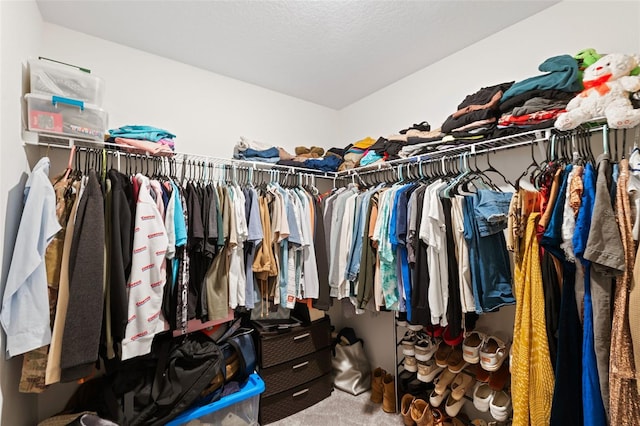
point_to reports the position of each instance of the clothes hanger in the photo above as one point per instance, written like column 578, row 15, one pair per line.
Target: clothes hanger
column 529, row 169
column 605, row 139
column 492, row 169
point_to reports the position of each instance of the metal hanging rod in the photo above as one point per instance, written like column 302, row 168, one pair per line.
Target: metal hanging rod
column 482, row 147
column 64, row 142
column 490, row 145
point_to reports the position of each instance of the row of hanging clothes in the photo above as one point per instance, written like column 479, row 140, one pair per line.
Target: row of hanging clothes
column 573, row 230
column 121, row 247
column 425, row 239
column 444, row 240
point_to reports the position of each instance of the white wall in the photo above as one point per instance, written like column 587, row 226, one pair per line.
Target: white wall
column 207, row 112
column 433, row 93
column 512, row 54
column 20, row 35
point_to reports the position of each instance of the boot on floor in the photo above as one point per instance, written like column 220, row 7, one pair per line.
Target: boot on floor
column 389, row 394
column 377, row 376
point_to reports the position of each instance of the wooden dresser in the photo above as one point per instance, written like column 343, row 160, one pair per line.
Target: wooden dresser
column 296, row 369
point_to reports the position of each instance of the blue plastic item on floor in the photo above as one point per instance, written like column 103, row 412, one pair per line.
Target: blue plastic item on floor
column 254, row 386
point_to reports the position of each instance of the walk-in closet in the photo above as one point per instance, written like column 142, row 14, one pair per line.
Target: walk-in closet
column 330, row 212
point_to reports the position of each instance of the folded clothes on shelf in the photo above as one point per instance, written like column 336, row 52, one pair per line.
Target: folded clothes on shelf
column 149, row 133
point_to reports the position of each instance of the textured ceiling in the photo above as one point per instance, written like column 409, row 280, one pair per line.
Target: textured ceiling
column 332, row 53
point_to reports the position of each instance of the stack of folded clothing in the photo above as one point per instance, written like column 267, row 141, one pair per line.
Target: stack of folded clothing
column 535, row 102
column 355, row 152
column 250, row 150
column 312, row 158
column 143, row 139
column 477, row 115
column 420, row 142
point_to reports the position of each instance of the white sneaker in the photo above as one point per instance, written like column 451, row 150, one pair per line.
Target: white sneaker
column 425, row 347
column 436, row 399
column 471, row 346
column 415, row 327
column 492, row 353
column 428, row 370
column 410, row 364
column 453, row 406
column 500, row 406
column 482, row 396
column 408, row 343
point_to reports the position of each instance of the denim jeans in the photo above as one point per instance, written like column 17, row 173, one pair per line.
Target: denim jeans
column 491, row 211
column 488, row 257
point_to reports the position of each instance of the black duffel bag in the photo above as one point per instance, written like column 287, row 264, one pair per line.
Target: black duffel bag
column 181, row 373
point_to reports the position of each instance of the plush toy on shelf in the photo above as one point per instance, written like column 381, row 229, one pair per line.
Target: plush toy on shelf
column 607, row 86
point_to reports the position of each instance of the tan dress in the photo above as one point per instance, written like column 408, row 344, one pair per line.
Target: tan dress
column 624, row 398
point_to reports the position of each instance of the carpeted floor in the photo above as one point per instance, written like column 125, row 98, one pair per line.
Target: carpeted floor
column 342, row 409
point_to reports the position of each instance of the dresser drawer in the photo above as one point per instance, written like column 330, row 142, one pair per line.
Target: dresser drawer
column 284, row 404
column 276, row 349
column 293, row 373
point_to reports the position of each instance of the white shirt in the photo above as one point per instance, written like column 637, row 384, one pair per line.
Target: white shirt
column 462, row 255
column 25, row 304
column 310, row 281
column 237, row 274
column 433, row 233
column 147, row 279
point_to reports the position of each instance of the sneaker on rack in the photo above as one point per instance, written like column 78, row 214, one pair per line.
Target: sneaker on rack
column 452, row 406
column 425, row 347
column 408, row 343
column 435, row 398
column 442, row 354
column 461, row 384
column 410, row 363
column 482, row 396
column 455, row 361
column 415, row 327
column 500, row 406
column 492, row 353
column 471, row 346
column 428, row 370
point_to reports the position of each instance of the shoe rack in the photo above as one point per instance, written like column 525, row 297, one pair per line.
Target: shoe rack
column 402, row 381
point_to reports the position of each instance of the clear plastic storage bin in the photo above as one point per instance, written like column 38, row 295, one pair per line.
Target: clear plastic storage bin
column 238, row 409
column 51, row 78
column 64, row 116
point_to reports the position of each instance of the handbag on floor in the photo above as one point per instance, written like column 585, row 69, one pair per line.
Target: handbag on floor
column 351, row 369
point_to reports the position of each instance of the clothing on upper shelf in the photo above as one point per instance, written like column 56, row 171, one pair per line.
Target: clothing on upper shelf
column 561, row 74
column 150, row 133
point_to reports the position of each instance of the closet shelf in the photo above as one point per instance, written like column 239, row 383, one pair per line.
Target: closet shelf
column 489, row 145
column 67, row 142
column 183, row 158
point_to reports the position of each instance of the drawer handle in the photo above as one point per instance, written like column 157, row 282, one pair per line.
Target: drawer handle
column 302, row 364
column 302, row 392
column 301, row 336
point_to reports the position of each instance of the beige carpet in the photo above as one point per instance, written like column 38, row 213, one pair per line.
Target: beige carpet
column 342, row 409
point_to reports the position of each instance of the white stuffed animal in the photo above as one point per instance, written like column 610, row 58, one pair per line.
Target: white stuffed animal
column 607, row 85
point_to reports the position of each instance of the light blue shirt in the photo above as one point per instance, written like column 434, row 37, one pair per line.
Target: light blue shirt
column 25, row 304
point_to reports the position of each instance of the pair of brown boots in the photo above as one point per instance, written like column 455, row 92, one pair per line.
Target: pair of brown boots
column 383, row 390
